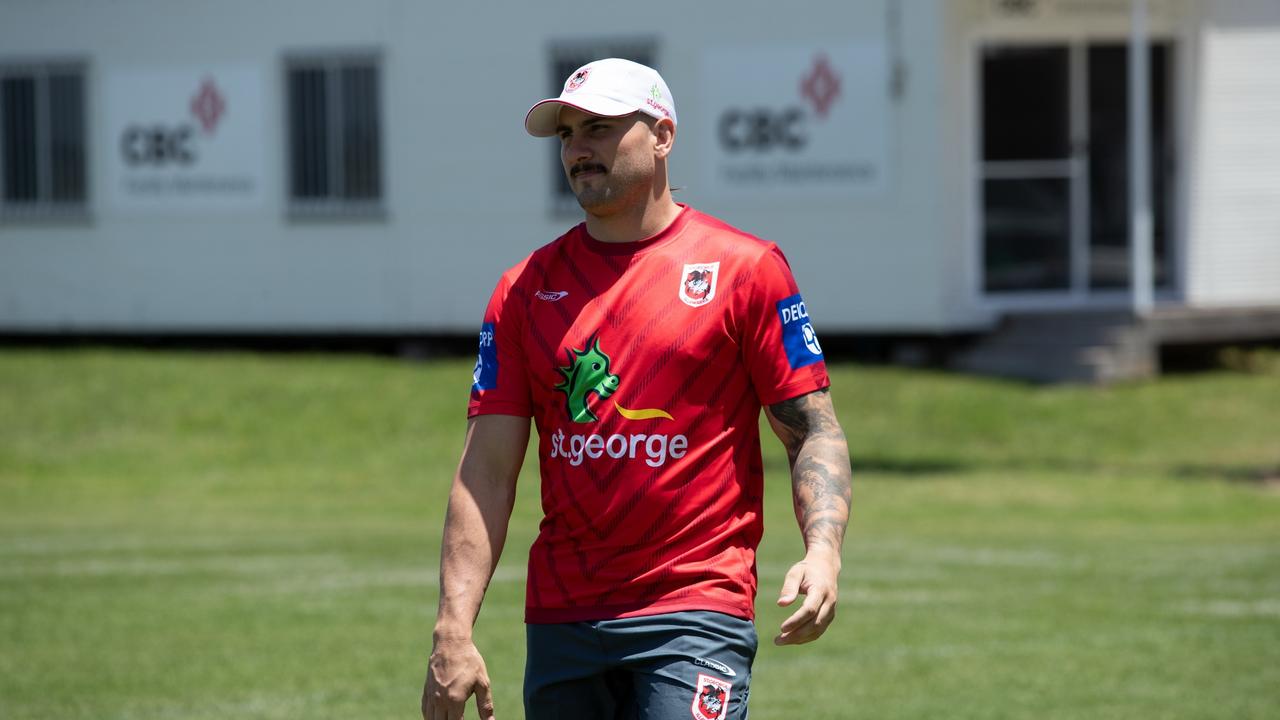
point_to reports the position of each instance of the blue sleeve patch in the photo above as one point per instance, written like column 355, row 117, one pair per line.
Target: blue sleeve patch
column 485, row 376
column 798, row 336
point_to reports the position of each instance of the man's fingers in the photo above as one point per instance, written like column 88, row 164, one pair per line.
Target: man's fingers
column 430, row 709
column 795, row 626
column 826, row 614
column 443, row 709
column 454, row 674
column 803, row 616
column 484, row 700
column 791, row 585
column 441, row 704
column 810, row 621
column 800, row 633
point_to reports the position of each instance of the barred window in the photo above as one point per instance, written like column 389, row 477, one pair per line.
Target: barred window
column 335, row 135
column 567, row 56
column 42, row 139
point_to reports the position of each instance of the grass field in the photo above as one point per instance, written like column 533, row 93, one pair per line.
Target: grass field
column 235, row 536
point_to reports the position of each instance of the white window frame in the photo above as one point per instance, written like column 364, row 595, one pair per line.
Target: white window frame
column 334, row 205
column 45, row 206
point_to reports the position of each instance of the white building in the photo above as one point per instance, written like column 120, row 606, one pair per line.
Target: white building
column 930, row 167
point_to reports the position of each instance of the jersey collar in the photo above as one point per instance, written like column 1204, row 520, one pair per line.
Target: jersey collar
column 662, row 237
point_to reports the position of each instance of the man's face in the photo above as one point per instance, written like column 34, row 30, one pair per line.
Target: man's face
column 610, row 162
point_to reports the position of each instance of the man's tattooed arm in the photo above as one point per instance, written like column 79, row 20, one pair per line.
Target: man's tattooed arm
column 820, row 471
column 820, row 487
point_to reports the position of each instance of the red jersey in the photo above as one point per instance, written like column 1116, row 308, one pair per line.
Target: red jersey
column 644, row 366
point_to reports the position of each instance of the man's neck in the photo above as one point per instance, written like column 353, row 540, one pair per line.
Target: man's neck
column 639, row 223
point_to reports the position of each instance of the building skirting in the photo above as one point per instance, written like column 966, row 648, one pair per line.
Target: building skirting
column 1106, row 346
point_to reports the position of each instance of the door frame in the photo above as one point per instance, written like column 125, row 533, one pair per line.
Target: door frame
column 1180, row 109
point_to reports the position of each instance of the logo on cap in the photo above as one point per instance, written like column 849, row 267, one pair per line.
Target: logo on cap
column 575, row 81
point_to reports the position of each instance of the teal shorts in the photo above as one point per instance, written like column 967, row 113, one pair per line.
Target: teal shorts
column 677, row 665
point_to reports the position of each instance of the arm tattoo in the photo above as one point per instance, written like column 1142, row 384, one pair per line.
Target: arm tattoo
column 820, row 471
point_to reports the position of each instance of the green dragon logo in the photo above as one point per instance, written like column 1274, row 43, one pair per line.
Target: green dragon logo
column 586, row 373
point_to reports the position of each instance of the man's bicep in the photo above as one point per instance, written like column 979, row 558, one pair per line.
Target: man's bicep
column 494, row 449
column 801, row 417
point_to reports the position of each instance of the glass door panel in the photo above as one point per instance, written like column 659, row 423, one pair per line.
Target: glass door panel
column 1027, row 228
column 1109, row 214
column 1026, row 152
column 1025, row 103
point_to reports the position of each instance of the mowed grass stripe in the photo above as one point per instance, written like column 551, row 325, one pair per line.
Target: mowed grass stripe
column 236, row 535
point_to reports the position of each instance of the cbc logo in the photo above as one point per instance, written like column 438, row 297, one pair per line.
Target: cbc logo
column 158, row 145
column 761, row 129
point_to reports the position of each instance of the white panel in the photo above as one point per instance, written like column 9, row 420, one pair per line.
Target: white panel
column 184, row 138
column 1234, row 246
column 794, row 122
column 465, row 189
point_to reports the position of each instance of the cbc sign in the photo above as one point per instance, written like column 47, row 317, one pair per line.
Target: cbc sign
column 185, row 137
column 796, row 120
column 160, row 144
column 762, row 129
column 157, row 145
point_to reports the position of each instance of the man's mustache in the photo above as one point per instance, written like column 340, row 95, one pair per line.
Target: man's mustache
column 585, row 167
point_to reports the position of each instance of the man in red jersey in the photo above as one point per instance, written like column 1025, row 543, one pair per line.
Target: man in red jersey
column 643, row 344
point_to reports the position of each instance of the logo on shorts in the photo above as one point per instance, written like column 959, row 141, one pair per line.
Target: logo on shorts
column 715, row 665
column 698, row 283
column 575, row 80
column 711, row 698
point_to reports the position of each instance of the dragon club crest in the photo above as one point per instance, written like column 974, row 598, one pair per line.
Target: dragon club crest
column 586, row 373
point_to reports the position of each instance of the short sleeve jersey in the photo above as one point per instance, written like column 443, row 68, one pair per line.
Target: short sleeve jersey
column 644, row 367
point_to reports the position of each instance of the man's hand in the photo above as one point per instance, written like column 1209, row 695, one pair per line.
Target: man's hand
column 815, row 577
column 456, row 672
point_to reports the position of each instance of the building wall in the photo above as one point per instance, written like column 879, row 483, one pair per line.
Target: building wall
column 1234, row 247
column 465, row 189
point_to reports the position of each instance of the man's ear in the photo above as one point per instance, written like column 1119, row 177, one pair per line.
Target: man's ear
column 664, row 137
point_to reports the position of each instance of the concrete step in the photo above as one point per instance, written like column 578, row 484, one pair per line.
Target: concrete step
column 1070, row 347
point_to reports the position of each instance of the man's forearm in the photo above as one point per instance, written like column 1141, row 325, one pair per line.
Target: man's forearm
column 821, row 491
column 820, row 486
column 475, row 526
column 821, row 477
column 469, row 553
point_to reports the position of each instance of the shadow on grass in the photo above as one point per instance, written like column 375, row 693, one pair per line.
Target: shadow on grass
column 1247, row 474
column 911, row 469
column 893, row 466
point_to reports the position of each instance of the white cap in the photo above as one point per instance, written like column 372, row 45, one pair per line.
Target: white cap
column 609, row 88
